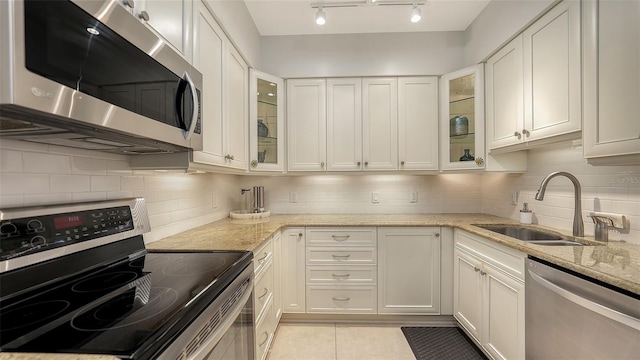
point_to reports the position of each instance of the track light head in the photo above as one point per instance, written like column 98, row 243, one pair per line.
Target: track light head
column 416, row 14
column 321, row 17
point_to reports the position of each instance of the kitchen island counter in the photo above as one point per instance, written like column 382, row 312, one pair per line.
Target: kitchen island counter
column 615, row 263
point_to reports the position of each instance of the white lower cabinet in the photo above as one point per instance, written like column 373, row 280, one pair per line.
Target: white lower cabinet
column 263, row 299
column 408, row 270
column 489, row 295
column 293, row 271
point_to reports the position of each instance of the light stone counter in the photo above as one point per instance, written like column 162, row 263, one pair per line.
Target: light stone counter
column 614, row 263
column 34, row 356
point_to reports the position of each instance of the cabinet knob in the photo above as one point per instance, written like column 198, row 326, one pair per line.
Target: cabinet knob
column 300, row 235
column 526, row 132
column 437, row 235
column 144, row 15
column 254, row 163
column 366, row 163
column 322, row 164
column 128, row 3
column 479, row 161
column 359, row 163
column 517, row 134
column 229, row 157
column 402, row 163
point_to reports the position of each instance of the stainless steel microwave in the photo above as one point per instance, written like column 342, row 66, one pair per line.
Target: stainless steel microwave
column 88, row 74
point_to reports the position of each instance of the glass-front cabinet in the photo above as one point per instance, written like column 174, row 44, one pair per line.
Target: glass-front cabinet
column 462, row 119
column 266, row 122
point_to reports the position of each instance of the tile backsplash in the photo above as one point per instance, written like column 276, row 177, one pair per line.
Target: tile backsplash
column 33, row 174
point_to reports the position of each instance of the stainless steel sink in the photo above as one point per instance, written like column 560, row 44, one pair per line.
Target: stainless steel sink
column 531, row 235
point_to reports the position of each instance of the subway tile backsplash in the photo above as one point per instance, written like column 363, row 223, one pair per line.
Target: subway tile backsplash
column 38, row 174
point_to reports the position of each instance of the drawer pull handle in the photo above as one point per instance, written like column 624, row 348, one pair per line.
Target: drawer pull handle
column 340, row 256
column 340, row 237
column 263, row 258
column 266, row 291
column 266, row 337
column 341, row 298
column 483, row 273
column 340, row 275
column 476, row 269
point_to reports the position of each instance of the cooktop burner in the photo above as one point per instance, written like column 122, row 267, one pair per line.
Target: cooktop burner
column 115, row 309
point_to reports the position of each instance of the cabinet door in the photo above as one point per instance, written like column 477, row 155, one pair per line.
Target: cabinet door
column 611, row 63
column 467, row 293
column 293, row 271
column 418, row 123
column 266, row 122
column 462, row 119
column 552, row 84
column 344, row 124
column 170, row 18
column 277, row 276
column 503, row 332
column 408, row 270
column 306, row 124
column 208, row 57
column 380, row 123
column 504, row 80
column 236, row 108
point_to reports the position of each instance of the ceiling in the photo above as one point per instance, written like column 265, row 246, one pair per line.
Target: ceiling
column 296, row 17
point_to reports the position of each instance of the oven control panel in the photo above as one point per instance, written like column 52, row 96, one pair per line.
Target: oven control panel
column 30, row 235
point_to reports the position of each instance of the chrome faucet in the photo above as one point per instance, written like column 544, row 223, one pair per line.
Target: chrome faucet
column 578, row 225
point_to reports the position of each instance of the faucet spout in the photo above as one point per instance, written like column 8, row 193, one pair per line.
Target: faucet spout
column 578, row 225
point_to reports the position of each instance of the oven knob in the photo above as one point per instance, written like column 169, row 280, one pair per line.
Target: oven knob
column 8, row 229
column 38, row 241
column 35, row 226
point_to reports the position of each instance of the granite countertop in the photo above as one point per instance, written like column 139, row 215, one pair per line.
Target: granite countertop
column 37, row 356
column 615, row 263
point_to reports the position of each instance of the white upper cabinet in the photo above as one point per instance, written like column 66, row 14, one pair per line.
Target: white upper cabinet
column 266, row 124
column 380, row 123
column 418, row 123
column 611, row 55
column 505, row 86
column 306, row 124
column 552, row 84
column 462, row 119
column 169, row 18
column 344, row 124
column 534, row 85
column 225, row 94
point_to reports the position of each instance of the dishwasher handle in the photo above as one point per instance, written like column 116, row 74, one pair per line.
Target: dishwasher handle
column 605, row 311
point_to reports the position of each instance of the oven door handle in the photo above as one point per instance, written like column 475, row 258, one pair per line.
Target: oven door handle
column 586, row 303
column 226, row 324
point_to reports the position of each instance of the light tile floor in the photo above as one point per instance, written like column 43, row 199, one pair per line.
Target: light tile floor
column 339, row 342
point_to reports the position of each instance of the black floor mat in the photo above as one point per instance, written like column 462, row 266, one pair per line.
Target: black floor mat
column 436, row 343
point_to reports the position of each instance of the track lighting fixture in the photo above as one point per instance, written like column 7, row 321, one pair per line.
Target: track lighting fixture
column 416, row 14
column 321, row 17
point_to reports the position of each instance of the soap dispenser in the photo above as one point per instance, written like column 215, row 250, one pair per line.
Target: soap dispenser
column 526, row 216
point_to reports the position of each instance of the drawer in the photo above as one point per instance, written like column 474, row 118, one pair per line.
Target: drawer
column 341, row 236
column 506, row 259
column 265, row 332
column 339, row 274
column 345, row 299
column 263, row 290
column 262, row 255
column 343, row 255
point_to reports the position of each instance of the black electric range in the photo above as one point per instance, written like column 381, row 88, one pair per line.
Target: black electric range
column 114, row 298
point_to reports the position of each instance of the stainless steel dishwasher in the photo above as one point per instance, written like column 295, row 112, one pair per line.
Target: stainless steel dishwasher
column 571, row 317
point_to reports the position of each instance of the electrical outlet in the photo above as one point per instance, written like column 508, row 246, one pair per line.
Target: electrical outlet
column 375, row 197
column 293, row 197
column 413, row 197
column 214, row 201
column 514, row 198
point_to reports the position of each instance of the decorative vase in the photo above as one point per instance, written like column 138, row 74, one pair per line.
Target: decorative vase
column 458, row 125
column 467, row 156
column 263, row 130
column 261, row 155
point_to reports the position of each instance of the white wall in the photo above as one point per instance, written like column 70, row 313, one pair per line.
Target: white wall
column 498, row 23
column 362, row 54
column 614, row 189
column 34, row 174
column 233, row 16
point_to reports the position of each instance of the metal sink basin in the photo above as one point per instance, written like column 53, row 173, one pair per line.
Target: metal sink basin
column 530, row 235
